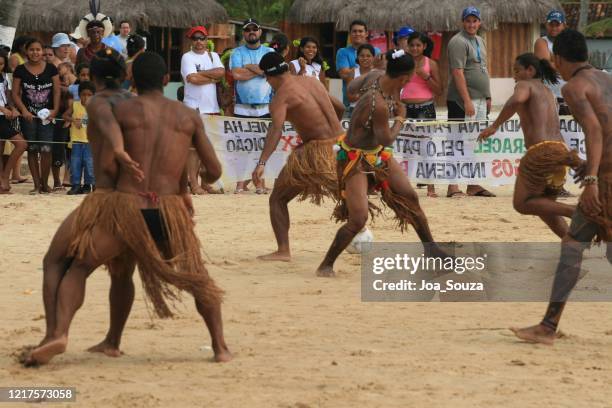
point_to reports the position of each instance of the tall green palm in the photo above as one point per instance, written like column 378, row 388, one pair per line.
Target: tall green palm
column 265, row 11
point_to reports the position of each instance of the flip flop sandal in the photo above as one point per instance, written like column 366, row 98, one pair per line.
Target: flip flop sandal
column 20, row 181
column 483, row 193
column 456, row 194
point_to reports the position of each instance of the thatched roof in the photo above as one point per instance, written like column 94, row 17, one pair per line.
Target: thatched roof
column 64, row 15
column 423, row 15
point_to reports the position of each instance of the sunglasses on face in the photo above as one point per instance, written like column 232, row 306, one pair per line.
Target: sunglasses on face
column 198, row 38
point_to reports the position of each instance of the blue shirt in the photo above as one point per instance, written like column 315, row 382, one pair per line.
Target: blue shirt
column 115, row 43
column 347, row 58
column 255, row 91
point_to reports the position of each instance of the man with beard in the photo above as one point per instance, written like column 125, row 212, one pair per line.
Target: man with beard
column 253, row 93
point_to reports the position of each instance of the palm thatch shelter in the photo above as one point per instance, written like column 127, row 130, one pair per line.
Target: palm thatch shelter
column 164, row 21
column 509, row 27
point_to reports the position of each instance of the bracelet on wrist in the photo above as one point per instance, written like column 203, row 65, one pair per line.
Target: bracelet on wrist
column 589, row 180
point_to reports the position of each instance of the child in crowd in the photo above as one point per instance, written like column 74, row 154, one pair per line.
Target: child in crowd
column 82, row 73
column 81, row 160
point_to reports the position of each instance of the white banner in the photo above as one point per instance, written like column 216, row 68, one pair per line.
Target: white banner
column 434, row 152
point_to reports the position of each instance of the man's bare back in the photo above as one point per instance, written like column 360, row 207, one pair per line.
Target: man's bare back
column 539, row 118
column 158, row 133
column 309, row 108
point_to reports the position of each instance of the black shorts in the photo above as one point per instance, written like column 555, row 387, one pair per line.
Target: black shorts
column 7, row 130
column 155, row 223
column 61, row 137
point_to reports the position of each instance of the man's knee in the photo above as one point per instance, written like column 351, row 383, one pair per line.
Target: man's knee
column 356, row 222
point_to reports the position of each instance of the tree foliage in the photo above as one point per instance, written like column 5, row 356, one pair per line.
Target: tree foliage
column 265, row 11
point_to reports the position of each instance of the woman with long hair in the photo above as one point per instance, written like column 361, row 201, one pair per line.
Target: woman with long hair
column 308, row 61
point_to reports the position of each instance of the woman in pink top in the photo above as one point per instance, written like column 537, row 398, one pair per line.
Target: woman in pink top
column 425, row 84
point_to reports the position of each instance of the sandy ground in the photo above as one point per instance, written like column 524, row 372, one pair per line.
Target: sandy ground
column 298, row 340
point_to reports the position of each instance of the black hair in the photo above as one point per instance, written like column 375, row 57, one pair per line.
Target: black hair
column 279, row 42
column 124, row 22
column 6, row 69
column 81, row 67
column 542, row 67
column 368, row 47
column 273, row 64
column 358, row 22
column 20, row 42
column 400, row 65
column 427, row 42
column 135, row 43
column 87, row 85
column 148, row 70
column 300, row 54
column 94, row 23
column 571, row 46
column 108, row 66
column 33, row 41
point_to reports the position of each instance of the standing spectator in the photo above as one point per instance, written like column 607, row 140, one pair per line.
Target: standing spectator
column 124, row 32
column 424, row 86
column 253, row 93
column 469, row 94
column 346, row 58
column 309, row 61
column 36, row 87
column 135, row 47
column 61, row 134
column 201, row 70
column 365, row 63
column 81, row 161
column 18, row 52
column 49, row 55
column 95, row 32
column 61, row 48
column 8, row 113
column 280, row 44
column 82, row 74
column 401, row 38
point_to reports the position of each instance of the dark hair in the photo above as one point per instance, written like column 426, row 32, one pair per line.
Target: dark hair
column 108, row 66
column 368, row 47
column 33, row 41
column 20, row 43
column 279, row 42
column 180, row 93
column 81, row 67
column 571, row 46
column 427, row 42
column 400, row 65
column 358, row 22
column 148, row 70
column 300, row 54
column 94, row 23
column 6, row 69
column 273, row 64
column 48, row 47
column 542, row 67
column 135, row 43
column 124, row 22
column 87, row 85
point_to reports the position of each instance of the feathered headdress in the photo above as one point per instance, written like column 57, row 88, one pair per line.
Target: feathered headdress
column 94, row 8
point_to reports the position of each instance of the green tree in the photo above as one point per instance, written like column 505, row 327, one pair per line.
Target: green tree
column 265, row 11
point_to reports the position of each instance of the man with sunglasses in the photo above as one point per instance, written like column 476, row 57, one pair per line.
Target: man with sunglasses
column 253, row 93
column 201, row 69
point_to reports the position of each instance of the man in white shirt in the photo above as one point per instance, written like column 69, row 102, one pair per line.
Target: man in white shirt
column 201, row 70
column 124, row 32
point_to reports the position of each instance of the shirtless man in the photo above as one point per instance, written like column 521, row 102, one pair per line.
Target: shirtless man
column 108, row 70
column 311, row 168
column 543, row 168
column 149, row 217
column 588, row 93
column 363, row 151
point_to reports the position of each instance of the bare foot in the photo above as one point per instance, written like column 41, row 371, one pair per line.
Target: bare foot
column 223, row 356
column 44, row 354
column 45, row 340
column 197, row 190
column 107, row 349
column 45, row 189
column 535, row 334
column 276, row 256
column 326, row 272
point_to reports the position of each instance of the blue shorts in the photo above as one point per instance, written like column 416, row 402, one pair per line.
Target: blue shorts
column 39, row 136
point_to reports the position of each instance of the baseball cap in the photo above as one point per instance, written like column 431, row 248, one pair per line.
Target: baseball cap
column 197, row 29
column 60, row 39
column 470, row 11
column 405, row 32
column 250, row 21
column 555, row 15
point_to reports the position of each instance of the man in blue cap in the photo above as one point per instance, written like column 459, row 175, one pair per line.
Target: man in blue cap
column 401, row 37
column 469, row 92
column 555, row 23
column 346, row 58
